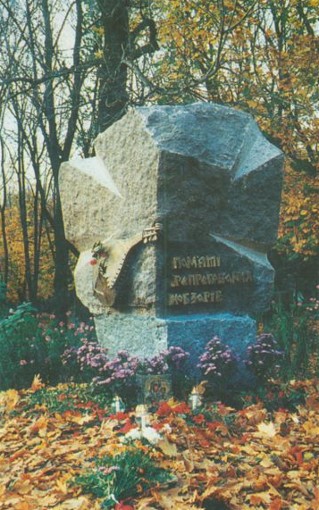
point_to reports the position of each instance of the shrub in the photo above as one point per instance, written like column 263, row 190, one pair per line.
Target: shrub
column 171, row 360
column 86, row 360
column 118, row 376
column 264, row 357
column 217, row 364
column 122, row 476
column 21, row 347
column 95, row 366
column 296, row 330
column 32, row 343
column 60, row 336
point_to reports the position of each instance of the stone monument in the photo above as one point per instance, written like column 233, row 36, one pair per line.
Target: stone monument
column 173, row 219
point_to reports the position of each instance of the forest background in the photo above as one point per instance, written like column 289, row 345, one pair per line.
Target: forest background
column 69, row 70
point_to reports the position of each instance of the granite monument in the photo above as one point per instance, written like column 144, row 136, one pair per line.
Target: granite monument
column 173, row 219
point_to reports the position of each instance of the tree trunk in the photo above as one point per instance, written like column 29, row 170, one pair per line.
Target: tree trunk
column 5, row 269
column 62, row 271
column 113, row 96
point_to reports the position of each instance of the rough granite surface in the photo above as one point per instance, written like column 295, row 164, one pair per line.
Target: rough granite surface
column 206, row 160
column 211, row 180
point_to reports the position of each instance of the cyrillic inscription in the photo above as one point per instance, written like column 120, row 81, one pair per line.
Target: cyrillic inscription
column 198, row 279
column 182, row 278
column 192, row 298
column 195, row 262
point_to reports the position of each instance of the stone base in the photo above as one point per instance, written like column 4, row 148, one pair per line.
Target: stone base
column 141, row 336
column 193, row 333
column 147, row 336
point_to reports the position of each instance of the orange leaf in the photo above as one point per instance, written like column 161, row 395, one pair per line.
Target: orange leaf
column 18, row 454
column 260, row 498
column 37, row 384
column 40, row 426
column 164, row 409
column 200, row 388
column 181, row 408
column 23, row 505
column 276, row 504
column 77, row 417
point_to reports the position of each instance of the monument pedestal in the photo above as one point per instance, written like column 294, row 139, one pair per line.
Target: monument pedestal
column 146, row 336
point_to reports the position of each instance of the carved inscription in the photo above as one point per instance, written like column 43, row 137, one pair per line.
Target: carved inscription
column 191, row 273
column 193, row 298
column 195, row 262
column 198, row 279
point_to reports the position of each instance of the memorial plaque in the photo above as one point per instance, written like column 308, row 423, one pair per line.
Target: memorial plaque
column 211, row 280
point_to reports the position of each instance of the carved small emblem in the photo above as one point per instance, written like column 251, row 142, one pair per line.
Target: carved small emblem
column 112, row 255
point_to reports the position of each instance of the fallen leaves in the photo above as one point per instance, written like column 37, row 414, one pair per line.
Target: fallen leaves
column 247, row 459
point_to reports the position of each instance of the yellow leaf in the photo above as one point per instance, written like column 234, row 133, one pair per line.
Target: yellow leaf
column 13, row 501
column 266, row 462
column 62, row 485
column 167, row 448
column 200, row 388
column 252, row 104
column 310, row 428
column 23, row 486
column 267, row 429
column 11, row 398
column 308, row 456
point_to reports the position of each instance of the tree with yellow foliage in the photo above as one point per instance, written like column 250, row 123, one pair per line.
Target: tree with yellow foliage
column 260, row 56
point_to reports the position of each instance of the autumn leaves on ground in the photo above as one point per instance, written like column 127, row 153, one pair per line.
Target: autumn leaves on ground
column 61, row 450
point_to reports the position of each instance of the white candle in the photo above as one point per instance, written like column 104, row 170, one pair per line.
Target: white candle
column 142, row 416
column 194, row 400
column 118, row 404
